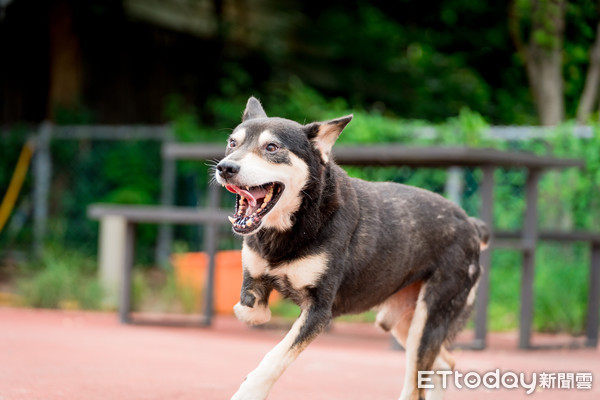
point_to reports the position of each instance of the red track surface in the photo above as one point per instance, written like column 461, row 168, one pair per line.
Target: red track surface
column 54, row 355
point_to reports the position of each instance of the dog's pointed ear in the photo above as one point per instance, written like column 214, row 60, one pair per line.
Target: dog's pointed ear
column 253, row 110
column 324, row 134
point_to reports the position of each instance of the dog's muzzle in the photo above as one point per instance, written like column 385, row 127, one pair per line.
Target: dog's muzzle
column 228, row 169
column 253, row 204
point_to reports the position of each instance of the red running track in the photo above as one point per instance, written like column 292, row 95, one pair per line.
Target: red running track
column 53, row 355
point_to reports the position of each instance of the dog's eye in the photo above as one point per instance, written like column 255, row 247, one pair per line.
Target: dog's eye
column 271, row 147
column 232, row 143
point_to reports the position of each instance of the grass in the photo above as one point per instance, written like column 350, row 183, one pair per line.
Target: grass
column 67, row 279
column 157, row 290
column 61, row 279
column 560, row 289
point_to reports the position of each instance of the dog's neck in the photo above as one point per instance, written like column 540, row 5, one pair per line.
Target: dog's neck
column 321, row 199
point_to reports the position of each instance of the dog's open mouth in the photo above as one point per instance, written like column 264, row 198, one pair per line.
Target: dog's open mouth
column 252, row 204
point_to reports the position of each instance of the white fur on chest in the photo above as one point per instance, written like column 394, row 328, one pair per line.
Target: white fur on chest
column 300, row 273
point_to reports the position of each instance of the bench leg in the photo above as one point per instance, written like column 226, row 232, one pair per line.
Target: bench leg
column 487, row 216
column 211, row 246
column 593, row 297
column 530, row 235
column 111, row 249
column 126, row 277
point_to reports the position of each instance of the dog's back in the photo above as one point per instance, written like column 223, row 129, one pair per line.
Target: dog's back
column 395, row 235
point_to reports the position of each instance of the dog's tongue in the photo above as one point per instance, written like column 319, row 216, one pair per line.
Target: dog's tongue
column 251, row 195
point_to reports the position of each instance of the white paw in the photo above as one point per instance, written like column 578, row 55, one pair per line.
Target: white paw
column 251, row 391
column 252, row 315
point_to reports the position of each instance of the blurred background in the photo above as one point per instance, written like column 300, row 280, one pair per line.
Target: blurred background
column 417, row 73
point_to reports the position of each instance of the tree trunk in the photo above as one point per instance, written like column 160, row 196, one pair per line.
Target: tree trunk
column 544, row 71
column 542, row 56
column 65, row 59
column 592, row 82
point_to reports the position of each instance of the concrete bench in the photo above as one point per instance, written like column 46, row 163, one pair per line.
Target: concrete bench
column 117, row 244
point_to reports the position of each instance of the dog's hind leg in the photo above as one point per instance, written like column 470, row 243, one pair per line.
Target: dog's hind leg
column 443, row 362
column 408, row 330
column 439, row 309
column 404, row 315
column 407, row 316
column 313, row 319
column 396, row 313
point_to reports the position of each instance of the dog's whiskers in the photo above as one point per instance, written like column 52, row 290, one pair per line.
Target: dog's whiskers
column 213, row 181
column 212, row 163
column 212, row 170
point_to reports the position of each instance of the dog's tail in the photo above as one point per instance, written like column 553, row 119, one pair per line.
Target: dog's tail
column 483, row 231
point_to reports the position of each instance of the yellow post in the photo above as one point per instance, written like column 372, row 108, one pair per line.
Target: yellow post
column 16, row 182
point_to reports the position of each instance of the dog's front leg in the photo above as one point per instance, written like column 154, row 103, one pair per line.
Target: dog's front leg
column 258, row 383
column 253, row 307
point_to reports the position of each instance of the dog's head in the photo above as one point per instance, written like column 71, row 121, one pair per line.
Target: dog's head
column 269, row 162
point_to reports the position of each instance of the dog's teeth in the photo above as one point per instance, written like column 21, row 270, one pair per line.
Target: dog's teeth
column 249, row 223
column 231, row 219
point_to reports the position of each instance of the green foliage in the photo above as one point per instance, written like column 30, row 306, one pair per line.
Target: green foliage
column 62, row 279
column 407, row 64
column 86, row 172
column 158, row 291
column 285, row 309
column 561, row 288
column 185, row 121
column 579, row 189
column 467, row 129
column 77, row 115
column 505, row 283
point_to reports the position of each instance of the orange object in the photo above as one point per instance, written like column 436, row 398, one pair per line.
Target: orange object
column 191, row 272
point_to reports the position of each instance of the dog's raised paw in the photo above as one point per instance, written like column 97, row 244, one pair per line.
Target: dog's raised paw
column 252, row 315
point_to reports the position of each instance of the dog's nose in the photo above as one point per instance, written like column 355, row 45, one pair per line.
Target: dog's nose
column 228, row 169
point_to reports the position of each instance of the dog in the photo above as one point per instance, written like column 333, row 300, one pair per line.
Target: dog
column 336, row 245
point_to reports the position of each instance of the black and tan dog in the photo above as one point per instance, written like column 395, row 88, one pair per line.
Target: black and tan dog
column 337, row 245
